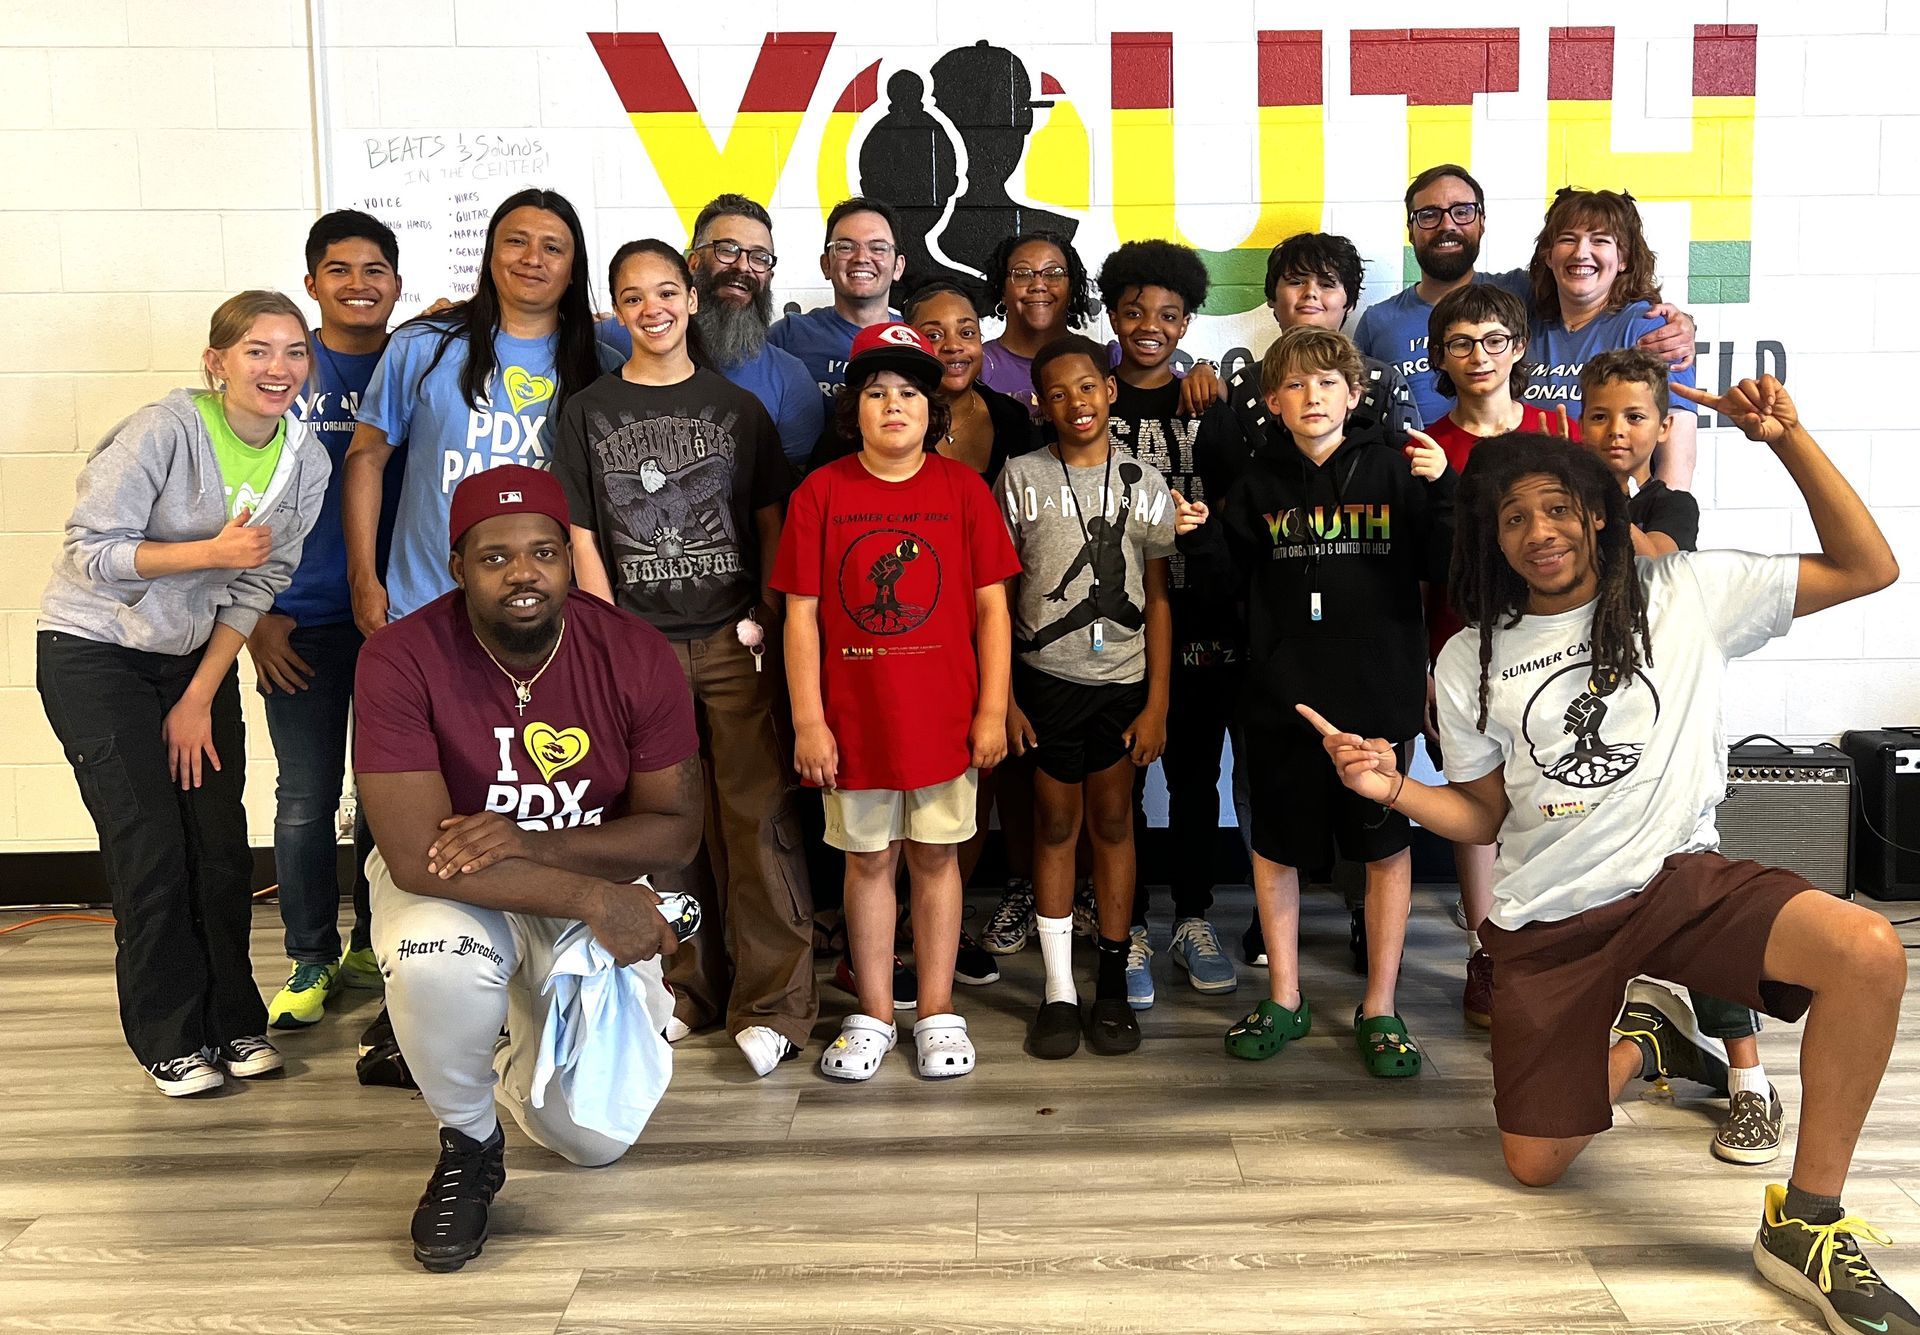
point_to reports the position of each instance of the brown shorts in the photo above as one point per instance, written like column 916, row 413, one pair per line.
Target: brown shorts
column 1557, row 986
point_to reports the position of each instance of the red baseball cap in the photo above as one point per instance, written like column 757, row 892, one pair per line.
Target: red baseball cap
column 510, row 489
column 893, row 347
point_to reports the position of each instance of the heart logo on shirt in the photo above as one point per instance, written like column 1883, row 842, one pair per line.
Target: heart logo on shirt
column 555, row 749
column 524, row 390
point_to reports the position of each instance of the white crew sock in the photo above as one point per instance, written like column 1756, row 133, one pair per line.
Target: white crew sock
column 1473, row 943
column 1056, row 952
column 1752, row 1078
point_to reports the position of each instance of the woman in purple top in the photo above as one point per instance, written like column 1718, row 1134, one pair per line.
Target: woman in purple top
column 1043, row 291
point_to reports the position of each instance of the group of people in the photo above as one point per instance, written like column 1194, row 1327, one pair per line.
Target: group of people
column 687, row 614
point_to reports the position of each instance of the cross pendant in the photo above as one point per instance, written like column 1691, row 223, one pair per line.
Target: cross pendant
column 521, row 695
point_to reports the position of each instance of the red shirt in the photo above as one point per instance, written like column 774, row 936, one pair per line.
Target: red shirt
column 613, row 703
column 1458, row 442
column 895, row 566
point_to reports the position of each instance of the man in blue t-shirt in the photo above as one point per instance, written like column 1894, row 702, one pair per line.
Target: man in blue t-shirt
column 1446, row 221
column 862, row 261
column 732, row 259
column 305, row 647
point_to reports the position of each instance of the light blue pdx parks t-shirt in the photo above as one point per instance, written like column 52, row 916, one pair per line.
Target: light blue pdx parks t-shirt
column 425, row 416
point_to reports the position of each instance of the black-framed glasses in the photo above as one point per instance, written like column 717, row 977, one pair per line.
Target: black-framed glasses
column 846, row 249
column 1461, row 215
column 728, row 252
column 1053, row 273
column 1496, row 342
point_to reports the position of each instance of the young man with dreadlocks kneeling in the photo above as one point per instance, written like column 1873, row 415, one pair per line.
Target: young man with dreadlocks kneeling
column 1580, row 712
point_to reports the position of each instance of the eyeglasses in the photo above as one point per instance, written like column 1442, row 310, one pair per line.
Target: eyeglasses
column 1495, row 343
column 1428, row 218
column 846, row 250
column 728, row 252
column 1053, row 273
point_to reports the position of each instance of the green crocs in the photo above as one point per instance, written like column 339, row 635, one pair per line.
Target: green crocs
column 1385, row 1046
column 1268, row 1028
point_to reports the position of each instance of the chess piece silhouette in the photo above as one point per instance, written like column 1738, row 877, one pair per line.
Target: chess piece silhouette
column 986, row 94
column 908, row 159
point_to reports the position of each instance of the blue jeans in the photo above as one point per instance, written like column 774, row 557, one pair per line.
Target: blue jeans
column 309, row 730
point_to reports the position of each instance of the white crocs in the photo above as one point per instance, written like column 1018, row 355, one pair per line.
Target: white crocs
column 764, row 1048
column 943, row 1047
column 856, row 1053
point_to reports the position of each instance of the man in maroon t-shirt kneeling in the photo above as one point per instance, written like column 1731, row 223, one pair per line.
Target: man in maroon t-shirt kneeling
column 524, row 753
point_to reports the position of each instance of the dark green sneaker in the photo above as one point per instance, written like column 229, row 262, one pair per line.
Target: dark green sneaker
column 1821, row 1264
column 1268, row 1028
column 1671, row 1045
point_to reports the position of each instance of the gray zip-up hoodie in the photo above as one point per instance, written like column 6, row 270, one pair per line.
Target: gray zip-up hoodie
column 155, row 478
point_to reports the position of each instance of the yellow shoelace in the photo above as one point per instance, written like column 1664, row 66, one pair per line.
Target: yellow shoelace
column 1828, row 1248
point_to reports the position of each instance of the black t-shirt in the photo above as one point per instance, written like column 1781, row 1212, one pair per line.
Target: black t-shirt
column 668, row 477
column 1658, row 508
column 1148, row 425
column 1013, row 434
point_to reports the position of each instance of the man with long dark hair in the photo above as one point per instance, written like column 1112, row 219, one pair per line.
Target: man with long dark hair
column 465, row 389
column 1580, row 713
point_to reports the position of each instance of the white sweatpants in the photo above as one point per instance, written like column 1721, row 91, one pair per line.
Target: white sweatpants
column 455, row 974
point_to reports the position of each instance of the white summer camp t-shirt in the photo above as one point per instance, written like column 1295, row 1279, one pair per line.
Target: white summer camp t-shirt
column 1606, row 779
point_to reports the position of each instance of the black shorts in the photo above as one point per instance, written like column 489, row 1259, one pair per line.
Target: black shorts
column 1078, row 724
column 1301, row 810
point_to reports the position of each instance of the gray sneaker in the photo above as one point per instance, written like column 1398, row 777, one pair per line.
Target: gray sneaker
column 1196, row 948
column 1011, row 925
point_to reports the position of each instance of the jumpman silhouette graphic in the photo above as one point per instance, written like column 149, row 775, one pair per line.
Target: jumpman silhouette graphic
column 1105, row 554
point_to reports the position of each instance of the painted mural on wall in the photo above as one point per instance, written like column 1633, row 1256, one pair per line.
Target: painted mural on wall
column 980, row 141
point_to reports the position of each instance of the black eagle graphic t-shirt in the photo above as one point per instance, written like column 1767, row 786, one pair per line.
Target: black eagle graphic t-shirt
column 667, row 478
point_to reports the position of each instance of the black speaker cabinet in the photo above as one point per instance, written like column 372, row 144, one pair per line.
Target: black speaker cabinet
column 1792, row 807
column 1886, row 824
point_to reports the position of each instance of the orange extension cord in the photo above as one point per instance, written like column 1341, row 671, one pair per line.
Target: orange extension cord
column 94, row 917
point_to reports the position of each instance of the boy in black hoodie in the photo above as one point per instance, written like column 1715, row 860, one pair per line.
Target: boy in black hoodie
column 1331, row 533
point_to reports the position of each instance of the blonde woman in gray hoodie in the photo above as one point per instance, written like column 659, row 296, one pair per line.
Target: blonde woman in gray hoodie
column 188, row 520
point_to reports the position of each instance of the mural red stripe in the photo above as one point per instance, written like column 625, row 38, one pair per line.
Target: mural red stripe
column 1436, row 67
column 1579, row 64
column 1724, row 56
column 787, row 71
column 1142, row 64
column 642, row 71
column 1290, row 73
column 863, row 92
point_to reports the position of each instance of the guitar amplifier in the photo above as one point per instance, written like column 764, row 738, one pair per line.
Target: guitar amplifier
column 1886, row 821
column 1791, row 807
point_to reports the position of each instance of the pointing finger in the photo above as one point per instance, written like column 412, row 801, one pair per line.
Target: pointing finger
column 1325, row 728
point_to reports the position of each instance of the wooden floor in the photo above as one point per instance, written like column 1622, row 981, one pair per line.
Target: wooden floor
column 1176, row 1190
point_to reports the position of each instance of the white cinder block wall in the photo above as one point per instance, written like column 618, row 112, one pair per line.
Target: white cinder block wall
column 161, row 154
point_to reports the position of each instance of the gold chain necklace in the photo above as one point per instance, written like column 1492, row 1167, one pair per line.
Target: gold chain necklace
column 523, row 690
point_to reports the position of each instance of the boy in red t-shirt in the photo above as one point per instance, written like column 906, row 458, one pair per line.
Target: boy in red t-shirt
column 1476, row 341
column 898, row 650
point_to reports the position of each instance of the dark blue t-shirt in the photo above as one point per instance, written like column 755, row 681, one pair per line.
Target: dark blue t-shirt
column 330, row 406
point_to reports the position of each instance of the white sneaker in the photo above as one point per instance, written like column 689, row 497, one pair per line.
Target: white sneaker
column 192, row 1074
column 676, row 1029
column 764, row 1048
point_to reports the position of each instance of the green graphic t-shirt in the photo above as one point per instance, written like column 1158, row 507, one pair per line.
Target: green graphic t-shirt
column 245, row 469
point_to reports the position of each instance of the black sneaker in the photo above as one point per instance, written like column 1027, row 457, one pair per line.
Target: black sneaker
column 973, row 965
column 180, row 1076
column 1111, row 1029
column 378, row 1034
column 1751, row 1133
column 450, row 1223
column 1253, row 944
column 1821, row 1264
column 249, row 1056
column 1671, row 1046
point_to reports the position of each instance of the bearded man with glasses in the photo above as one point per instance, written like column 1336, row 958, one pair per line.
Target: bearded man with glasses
column 862, row 261
column 1446, row 221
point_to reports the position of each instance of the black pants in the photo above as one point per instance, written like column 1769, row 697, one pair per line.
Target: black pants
column 176, row 863
column 1201, row 697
